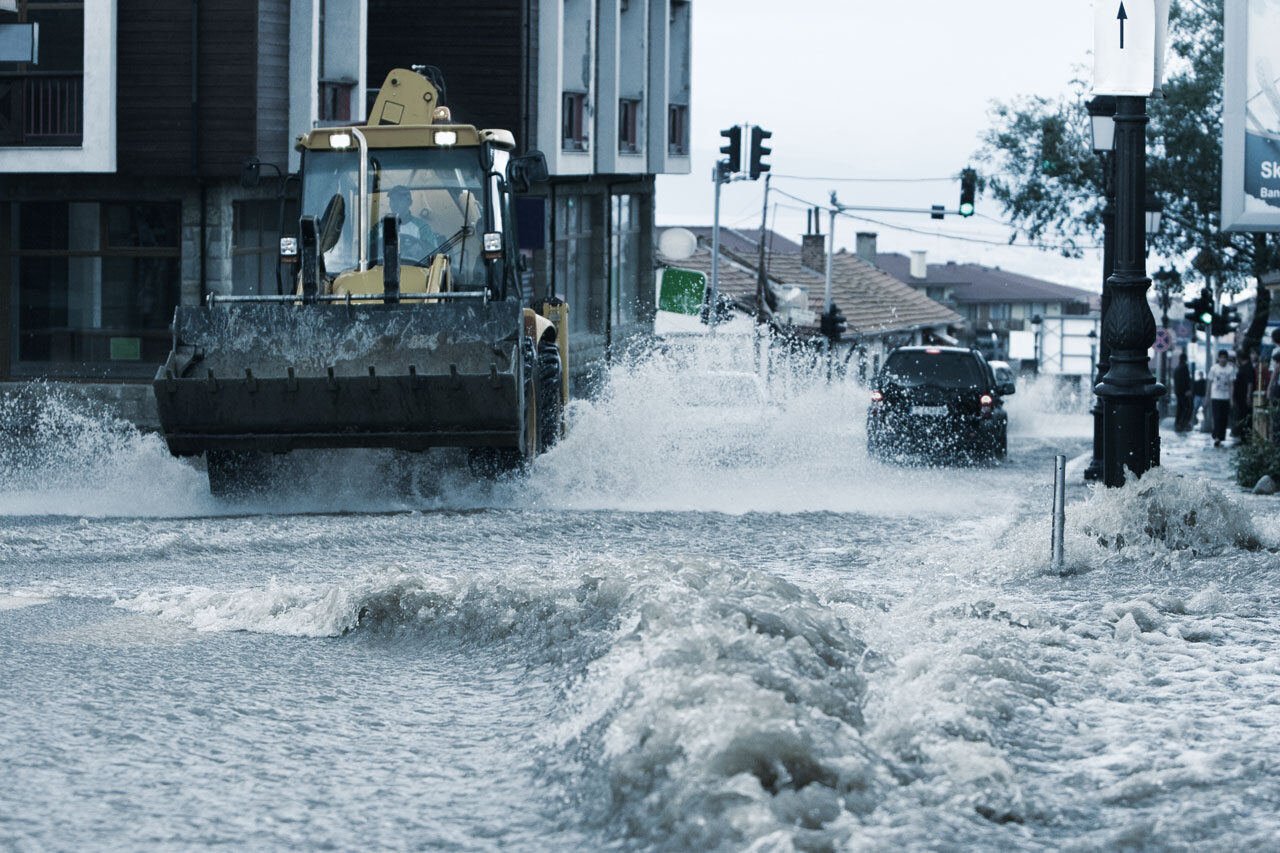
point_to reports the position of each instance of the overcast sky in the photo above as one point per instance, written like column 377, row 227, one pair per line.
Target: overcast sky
column 860, row 89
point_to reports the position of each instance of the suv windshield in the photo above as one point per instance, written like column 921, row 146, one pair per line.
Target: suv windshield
column 943, row 369
column 437, row 193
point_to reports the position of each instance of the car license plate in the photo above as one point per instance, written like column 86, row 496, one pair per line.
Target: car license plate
column 933, row 411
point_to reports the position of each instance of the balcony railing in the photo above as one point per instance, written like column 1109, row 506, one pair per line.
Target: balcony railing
column 41, row 110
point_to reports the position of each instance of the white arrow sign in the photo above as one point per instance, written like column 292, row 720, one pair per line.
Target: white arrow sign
column 1128, row 46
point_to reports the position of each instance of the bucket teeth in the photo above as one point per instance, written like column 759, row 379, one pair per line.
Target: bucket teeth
column 373, row 378
column 333, row 383
column 292, row 383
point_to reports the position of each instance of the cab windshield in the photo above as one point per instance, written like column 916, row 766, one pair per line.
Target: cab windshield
column 439, row 195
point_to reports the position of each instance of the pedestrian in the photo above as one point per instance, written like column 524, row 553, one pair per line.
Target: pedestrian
column 1198, row 391
column 1273, row 389
column 1242, row 389
column 1221, row 379
column 1182, row 394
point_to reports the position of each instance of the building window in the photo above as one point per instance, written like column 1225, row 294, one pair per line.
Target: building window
column 628, row 126
column 335, row 100
column 678, row 129
column 573, row 133
column 255, row 247
column 43, row 104
column 1000, row 311
column 95, row 284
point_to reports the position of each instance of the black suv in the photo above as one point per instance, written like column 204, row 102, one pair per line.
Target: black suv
column 937, row 401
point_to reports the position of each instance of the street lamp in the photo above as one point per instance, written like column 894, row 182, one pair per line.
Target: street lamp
column 1154, row 213
column 1102, row 132
column 1102, row 123
column 1129, row 391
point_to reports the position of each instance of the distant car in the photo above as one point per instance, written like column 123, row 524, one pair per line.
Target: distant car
column 937, row 401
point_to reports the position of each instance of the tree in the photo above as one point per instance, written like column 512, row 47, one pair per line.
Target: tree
column 1043, row 173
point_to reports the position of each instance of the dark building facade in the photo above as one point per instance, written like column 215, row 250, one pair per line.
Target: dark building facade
column 122, row 146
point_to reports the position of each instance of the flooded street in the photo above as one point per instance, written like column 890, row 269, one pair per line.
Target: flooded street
column 653, row 640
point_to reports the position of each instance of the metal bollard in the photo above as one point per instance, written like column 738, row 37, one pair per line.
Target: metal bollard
column 1059, row 509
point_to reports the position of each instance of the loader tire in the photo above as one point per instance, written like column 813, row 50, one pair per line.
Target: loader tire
column 492, row 462
column 550, row 403
column 237, row 474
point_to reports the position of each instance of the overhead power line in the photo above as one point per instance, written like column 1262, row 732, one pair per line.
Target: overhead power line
column 848, row 180
column 1057, row 247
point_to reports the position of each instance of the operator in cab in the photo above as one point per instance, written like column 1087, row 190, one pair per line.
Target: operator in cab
column 417, row 239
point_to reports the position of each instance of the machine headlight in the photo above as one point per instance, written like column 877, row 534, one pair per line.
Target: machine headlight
column 339, row 140
column 493, row 245
column 289, row 247
column 446, row 138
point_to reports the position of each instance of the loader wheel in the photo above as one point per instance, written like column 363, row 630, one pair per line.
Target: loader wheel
column 490, row 462
column 237, row 474
column 550, row 404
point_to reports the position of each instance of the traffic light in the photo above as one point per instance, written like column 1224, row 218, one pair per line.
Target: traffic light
column 1225, row 322
column 732, row 148
column 968, row 190
column 758, row 151
column 832, row 324
column 1200, row 309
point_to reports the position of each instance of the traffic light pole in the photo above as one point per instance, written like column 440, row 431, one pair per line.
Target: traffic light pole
column 718, row 178
column 1131, row 425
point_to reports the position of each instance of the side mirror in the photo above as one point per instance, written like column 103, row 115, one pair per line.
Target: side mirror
column 1004, row 389
column 525, row 171
column 251, row 173
column 335, row 213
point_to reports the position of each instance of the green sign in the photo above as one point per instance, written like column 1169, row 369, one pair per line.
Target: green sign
column 682, row 291
column 126, row 349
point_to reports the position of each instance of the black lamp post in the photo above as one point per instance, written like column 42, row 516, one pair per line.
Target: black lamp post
column 1102, row 131
column 1131, row 425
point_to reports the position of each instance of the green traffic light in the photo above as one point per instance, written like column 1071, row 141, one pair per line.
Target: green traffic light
column 966, row 210
column 1206, row 317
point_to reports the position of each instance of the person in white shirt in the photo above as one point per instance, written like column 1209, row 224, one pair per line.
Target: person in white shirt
column 1222, row 377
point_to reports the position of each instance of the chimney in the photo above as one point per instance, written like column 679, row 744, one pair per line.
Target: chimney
column 919, row 267
column 813, row 252
column 867, row 246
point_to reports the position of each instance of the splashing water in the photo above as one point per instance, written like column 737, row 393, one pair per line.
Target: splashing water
column 662, row 434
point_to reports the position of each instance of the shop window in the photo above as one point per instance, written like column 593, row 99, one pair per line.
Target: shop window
column 625, row 265
column 255, row 247
column 96, row 285
column 578, row 261
column 573, row 119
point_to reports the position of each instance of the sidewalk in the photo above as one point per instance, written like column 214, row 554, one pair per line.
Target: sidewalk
column 1192, row 453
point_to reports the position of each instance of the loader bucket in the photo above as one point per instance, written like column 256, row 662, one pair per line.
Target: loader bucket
column 284, row 376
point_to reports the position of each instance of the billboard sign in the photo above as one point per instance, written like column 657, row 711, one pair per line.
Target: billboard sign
column 1251, row 116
